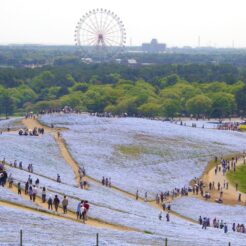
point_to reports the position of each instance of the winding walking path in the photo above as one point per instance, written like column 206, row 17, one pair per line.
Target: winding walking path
column 230, row 195
column 70, row 215
column 30, row 123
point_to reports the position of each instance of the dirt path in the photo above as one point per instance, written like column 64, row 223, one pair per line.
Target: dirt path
column 230, row 195
column 54, row 180
column 31, row 123
column 71, row 215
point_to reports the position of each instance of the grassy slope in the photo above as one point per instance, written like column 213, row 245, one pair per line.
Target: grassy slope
column 238, row 177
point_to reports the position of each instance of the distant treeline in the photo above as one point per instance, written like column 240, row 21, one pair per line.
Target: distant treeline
column 22, row 55
column 157, row 90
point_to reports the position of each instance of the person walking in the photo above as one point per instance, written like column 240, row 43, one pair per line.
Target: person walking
column 64, row 204
column 29, row 180
column 83, row 213
column 137, row 195
column 145, row 196
column 58, row 179
column 44, row 195
column 78, row 211
column 168, row 217
column 200, row 220
column 204, row 223
column 20, row 165
column 50, row 203
column 56, row 202
column 34, row 193
column 221, row 194
column 11, row 181
column 157, row 199
column 239, row 197
column 164, row 206
column 218, row 186
column 87, row 206
column 26, row 188
column 81, row 183
column 37, row 182
column 225, row 228
column 19, row 188
column 30, row 192
column 85, row 184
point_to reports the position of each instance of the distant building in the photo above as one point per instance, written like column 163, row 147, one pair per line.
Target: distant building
column 87, row 60
column 132, row 62
column 118, row 61
column 153, row 47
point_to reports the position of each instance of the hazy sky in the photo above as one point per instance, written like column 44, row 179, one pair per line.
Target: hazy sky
column 175, row 22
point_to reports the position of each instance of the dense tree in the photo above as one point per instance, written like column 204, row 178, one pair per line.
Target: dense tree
column 44, row 105
column 166, row 90
column 73, row 100
column 241, row 100
column 170, row 108
column 80, row 87
column 149, row 109
column 223, row 104
column 43, row 80
column 199, row 105
column 22, row 95
column 127, row 106
column 6, row 104
column 172, row 79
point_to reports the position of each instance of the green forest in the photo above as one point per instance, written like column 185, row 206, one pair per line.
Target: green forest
column 159, row 90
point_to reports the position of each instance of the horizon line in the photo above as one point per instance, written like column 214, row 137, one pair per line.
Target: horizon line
column 129, row 46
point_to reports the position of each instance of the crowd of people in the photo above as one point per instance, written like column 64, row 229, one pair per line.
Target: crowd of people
column 220, row 224
column 170, row 195
column 82, row 210
column 32, row 189
column 198, row 187
column 223, row 167
column 162, row 199
column 65, row 110
column 31, row 132
column 232, row 126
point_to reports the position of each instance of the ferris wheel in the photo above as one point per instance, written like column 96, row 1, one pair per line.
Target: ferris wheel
column 100, row 33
